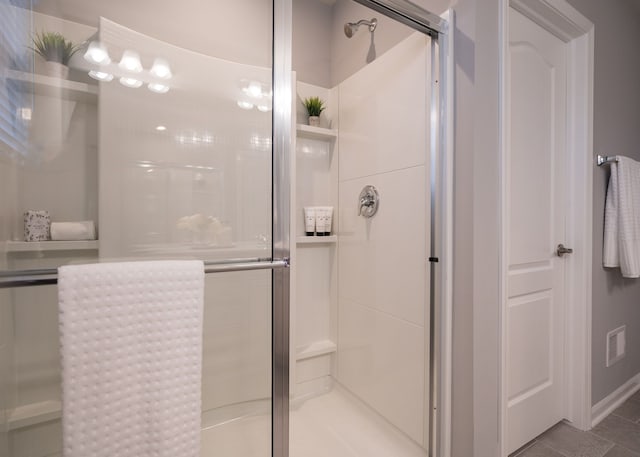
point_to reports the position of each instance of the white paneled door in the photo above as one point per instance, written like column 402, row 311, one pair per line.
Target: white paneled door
column 536, row 196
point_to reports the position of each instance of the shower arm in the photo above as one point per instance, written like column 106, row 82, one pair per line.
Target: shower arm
column 371, row 24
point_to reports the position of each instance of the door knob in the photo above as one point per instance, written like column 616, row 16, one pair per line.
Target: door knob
column 563, row 250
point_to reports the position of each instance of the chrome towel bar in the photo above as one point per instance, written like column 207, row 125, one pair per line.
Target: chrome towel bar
column 42, row 277
column 604, row 160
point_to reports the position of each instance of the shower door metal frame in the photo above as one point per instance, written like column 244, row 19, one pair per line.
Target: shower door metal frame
column 439, row 28
column 441, row 220
column 441, row 165
column 282, row 131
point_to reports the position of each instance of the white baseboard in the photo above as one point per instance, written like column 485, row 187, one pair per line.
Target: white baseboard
column 612, row 401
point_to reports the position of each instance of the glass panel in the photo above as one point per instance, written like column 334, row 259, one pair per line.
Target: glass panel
column 152, row 142
column 360, row 338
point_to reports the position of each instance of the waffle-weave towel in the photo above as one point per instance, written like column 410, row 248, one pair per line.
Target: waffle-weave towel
column 622, row 218
column 131, row 346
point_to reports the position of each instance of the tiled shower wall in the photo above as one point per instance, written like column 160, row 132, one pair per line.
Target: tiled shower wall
column 383, row 276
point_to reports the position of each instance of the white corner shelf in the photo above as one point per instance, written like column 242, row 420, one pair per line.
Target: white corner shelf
column 33, row 414
column 315, row 349
column 55, row 87
column 316, row 133
column 37, row 246
column 331, row 239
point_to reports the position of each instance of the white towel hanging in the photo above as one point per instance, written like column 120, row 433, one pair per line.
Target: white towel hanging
column 131, row 338
column 622, row 218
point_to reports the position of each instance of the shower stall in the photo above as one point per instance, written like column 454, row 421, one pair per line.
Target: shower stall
column 157, row 140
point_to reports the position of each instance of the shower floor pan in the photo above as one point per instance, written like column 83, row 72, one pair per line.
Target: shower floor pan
column 334, row 424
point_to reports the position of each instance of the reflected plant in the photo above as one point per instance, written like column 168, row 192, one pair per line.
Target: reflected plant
column 54, row 47
column 314, row 106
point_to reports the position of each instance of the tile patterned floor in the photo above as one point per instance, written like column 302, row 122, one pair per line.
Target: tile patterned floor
column 618, row 435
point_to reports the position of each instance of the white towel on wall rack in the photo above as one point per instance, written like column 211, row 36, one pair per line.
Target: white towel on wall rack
column 131, row 345
column 622, row 218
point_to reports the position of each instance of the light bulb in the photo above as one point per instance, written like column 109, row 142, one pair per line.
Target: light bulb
column 130, row 82
column 161, row 69
column 158, row 88
column 130, row 62
column 97, row 53
column 254, row 89
column 101, row 75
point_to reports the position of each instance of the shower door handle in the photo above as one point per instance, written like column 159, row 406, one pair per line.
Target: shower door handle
column 47, row 276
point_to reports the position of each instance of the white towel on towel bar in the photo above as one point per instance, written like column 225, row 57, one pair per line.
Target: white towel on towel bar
column 131, row 345
column 622, row 218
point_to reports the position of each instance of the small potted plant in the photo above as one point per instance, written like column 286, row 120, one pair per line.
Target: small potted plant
column 314, row 106
column 56, row 51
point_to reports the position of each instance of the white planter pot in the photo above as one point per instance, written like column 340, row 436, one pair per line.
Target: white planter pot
column 57, row 70
column 314, row 121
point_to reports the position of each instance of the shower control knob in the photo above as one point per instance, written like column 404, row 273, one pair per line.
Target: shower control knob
column 368, row 202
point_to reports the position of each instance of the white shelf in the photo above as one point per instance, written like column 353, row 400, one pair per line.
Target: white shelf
column 317, row 239
column 316, row 349
column 55, row 87
column 36, row 246
column 316, row 133
column 36, row 413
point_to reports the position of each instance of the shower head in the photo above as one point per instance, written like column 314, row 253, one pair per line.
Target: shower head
column 351, row 27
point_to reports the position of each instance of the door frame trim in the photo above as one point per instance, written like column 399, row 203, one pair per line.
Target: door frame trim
column 565, row 22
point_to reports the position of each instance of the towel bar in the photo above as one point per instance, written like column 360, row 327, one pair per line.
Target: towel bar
column 604, row 160
column 42, row 277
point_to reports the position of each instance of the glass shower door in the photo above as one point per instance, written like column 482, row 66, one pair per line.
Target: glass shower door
column 153, row 141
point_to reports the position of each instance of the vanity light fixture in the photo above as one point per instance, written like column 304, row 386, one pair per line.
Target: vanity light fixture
column 253, row 89
column 245, row 105
column 161, row 69
column 130, row 62
column 158, row 88
column 97, row 54
column 101, row 75
column 130, row 82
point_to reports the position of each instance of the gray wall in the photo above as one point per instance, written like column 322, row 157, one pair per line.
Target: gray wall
column 616, row 301
column 462, row 388
column 324, row 56
column 311, row 47
column 350, row 54
column 476, row 227
column 239, row 31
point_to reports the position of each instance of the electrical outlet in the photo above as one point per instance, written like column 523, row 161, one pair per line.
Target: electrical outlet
column 616, row 342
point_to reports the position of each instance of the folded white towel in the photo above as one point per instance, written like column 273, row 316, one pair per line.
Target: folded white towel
column 131, row 345
column 72, row 231
column 622, row 218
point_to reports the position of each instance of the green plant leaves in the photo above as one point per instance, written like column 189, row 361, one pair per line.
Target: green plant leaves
column 314, row 106
column 54, row 47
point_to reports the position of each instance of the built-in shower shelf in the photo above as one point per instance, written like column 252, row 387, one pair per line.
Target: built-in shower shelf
column 36, row 246
column 35, row 413
column 316, row 133
column 54, row 87
column 332, row 239
column 315, row 349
